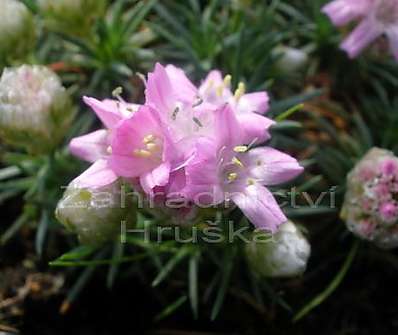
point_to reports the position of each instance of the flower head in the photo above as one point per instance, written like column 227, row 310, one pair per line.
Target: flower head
column 35, row 109
column 371, row 203
column 191, row 145
column 377, row 17
column 17, row 29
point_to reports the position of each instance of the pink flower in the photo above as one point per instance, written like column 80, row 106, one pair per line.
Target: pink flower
column 174, row 98
column 389, row 167
column 377, row 17
column 189, row 111
column 248, row 107
column 224, row 170
column 95, row 147
column 389, row 211
column 188, row 145
column 141, row 148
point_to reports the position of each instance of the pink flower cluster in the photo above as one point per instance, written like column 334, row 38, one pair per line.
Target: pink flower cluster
column 378, row 17
column 194, row 143
column 371, row 204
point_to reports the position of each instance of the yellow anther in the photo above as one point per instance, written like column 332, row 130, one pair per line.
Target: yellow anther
column 237, row 162
column 117, row 92
column 109, row 150
column 142, row 153
column 240, row 91
column 219, row 90
column 152, row 147
column 250, row 181
column 241, row 148
column 227, row 80
column 148, row 139
column 232, row 176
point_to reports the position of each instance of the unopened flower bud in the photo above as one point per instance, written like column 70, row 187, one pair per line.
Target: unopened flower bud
column 17, row 29
column 285, row 254
column 72, row 17
column 35, row 109
column 290, row 59
column 95, row 215
column 370, row 207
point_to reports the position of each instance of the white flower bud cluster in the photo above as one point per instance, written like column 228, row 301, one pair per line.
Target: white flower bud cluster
column 284, row 255
column 17, row 29
column 95, row 215
column 35, row 109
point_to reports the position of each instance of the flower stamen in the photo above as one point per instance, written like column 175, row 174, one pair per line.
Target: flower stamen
column 241, row 148
column 240, row 91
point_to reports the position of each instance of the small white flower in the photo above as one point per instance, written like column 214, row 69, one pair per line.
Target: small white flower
column 285, row 255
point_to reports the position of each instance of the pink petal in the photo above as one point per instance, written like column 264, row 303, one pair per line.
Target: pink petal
column 228, row 131
column 342, row 12
column 361, row 37
column 214, row 78
column 90, row 147
column 254, row 127
column 97, row 175
column 176, row 183
column 128, row 137
column 202, row 182
column 260, row 207
column 157, row 177
column 159, row 90
column 271, row 166
column 125, row 110
column 107, row 113
column 184, row 88
column 210, row 91
column 257, row 102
